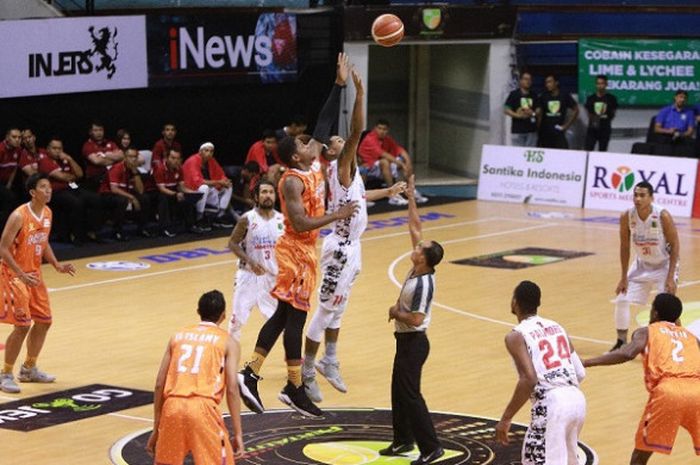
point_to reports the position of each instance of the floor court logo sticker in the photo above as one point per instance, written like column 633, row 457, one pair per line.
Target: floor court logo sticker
column 352, row 437
column 521, row 258
column 118, row 266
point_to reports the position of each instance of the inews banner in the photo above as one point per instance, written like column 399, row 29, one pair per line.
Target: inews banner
column 640, row 72
column 532, row 175
column 63, row 55
column 215, row 49
column 612, row 176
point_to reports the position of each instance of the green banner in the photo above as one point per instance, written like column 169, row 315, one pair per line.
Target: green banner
column 640, row 72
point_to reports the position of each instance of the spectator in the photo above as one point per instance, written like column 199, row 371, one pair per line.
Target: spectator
column 520, row 106
column 123, row 139
column 551, row 115
column 79, row 206
column 382, row 157
column 28, row 160
column 204, row 174
column 601, row 108
column 122, row 190
column 162, row 147
column 264, row 153
column 296, row 127
column 10, row 151
column 99, row 154
column 675, row 124
column 171, row 194
column 244, row 182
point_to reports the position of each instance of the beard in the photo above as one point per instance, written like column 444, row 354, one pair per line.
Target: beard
column 266, row 205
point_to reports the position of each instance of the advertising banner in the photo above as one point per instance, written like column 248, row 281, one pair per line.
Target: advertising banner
column 640, row 72
column 63, row 55
column 612, row 176
column 215, row 49
column 532, row 175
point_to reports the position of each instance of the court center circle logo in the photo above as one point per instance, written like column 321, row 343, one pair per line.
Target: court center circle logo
column 352, row 437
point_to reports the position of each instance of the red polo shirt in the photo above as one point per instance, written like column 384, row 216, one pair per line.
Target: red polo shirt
column 48, row 165
column 120, row 176
column 91, row 146
column 167, row 178
column 372, row 147
column 9, row 158
column 257, row 154
column 28, row 158
column 192, row 169
column 160, row 148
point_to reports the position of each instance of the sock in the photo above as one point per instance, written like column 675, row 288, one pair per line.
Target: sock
column 622, row 315
column 331, row 351
column 256, row 362
column 308, row 367
column 294, row 374
column 7, row 369
column 30, row 362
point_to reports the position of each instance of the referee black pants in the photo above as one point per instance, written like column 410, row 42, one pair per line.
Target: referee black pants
column 410, row 416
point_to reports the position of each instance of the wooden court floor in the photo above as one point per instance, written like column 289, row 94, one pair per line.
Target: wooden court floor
column 112, row 327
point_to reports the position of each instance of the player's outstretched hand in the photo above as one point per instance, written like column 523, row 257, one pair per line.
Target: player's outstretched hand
column 502, row 428
column 671, row 286
column 66, row 268
column 398, row 188
column 151, row 444
column 347, row 210
column 357, row 80
column 237, row 443
column 621, row 287
column 343, row 69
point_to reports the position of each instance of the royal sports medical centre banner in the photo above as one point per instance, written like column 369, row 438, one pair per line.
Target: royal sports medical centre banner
column 640, row 72
column 248, row 47
column 55, row 56
column 611, row 178
column 532, row 175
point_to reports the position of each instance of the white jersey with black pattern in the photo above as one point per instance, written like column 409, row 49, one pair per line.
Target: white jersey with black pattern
column 339, row 195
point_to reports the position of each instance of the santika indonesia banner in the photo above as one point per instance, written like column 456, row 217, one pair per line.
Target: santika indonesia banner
column 215, row 49
column 64, row 55
column 532, row 175
column 640, row 72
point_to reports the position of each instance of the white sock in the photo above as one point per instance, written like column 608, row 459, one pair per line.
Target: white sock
column 331, row 351
column 308, row 368
column 622, row 315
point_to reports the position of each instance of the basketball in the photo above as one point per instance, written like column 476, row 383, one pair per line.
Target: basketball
column 387, row 30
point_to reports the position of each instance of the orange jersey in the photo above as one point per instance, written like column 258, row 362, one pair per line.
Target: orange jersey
column 671, row 352
column 313, row 199
column 197, row 357
column 32, row 238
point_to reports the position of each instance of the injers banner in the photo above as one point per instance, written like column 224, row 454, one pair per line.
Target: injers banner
column 58, row 56
column 209, row 49
column 640, row 72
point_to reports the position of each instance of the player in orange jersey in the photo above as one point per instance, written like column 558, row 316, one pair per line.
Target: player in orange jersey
column 24, row 243
column 672, row 376
column 199, row 364
column 302, row 197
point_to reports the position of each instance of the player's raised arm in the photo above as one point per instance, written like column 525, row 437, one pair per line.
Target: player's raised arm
column 348, row 156
column 625, row 353
column 328, row 116
column 414, row 226
column 624, row 253
column 233, row 399
column 671, row 235
column 293, row 189
column 158, row 400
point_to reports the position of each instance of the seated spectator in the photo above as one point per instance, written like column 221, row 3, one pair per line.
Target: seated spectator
column 171, row 195
column 552, row 109
column 99, row 154
column 204, row 174
column 10, row 152
column 382, row 157
column 122, row 190
column 163, row 146
column 675, row 124
column 296, row 127
column 264, row 153
column 28, row 160
column 80, row 207
column 123, row 139
column 244, row 181
column 520, row 106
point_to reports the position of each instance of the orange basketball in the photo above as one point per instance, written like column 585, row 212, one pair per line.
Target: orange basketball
column 387, row 30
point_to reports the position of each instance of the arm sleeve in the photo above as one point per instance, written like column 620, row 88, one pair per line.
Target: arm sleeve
column 423, row 295
column 578, row 366
column 328, row 117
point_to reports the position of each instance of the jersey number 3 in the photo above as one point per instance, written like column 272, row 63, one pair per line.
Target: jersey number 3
column 551, row 360
column 186, row 355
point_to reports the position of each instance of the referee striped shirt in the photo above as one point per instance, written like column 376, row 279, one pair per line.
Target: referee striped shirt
column 416, row 296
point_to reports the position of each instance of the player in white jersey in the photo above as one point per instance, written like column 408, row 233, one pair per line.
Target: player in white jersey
column 341, row 252
column 650, row 231
column 253, row 241
column 549, row 373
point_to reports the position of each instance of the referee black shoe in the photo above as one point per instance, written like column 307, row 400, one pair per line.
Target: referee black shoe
column 296, row 398
column 248, row 386
column 396, row 450
column 430, row 458
column 619, row 343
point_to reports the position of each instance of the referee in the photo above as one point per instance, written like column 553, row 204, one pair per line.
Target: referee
column 411, row 314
